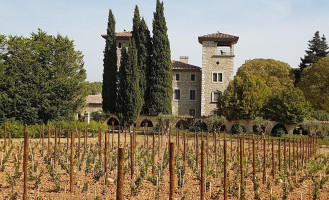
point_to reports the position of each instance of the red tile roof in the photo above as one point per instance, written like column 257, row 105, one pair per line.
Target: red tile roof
column 177, row 65
column 219, row 37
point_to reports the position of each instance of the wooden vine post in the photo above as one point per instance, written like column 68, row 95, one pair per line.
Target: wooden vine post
column 125, row 137
column 225, row 170
column 59, row 135
column 105, row 159
column 207, row 157
column 253, row 162
column 197, row 151
column 153, row 152
column 99, row 142
column 86, row 138
column 25, row 160
column 4, row 139
column 79, row 136
column 119, row 130
column 43, row 134
column 172, row 171
column 241, row 168
column 120, row 175
column 131, row 154
column 289, row 152
column 112, row 135
column 264, row 160
column 67, row 138
column 284, row 155
column 184, row 149
column 279, row 154
column 55, row 147
column 71, row 161
column 147, row 136
column 202, row 192
column 273, row 160
column 48, row 139
column 215, row 146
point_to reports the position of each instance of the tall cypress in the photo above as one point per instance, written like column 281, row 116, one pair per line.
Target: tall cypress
column 109, row 90
column 141, row 35
column 160, row 94
column 130, row 102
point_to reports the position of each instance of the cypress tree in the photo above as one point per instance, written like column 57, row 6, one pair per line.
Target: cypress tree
column 160, row 94
column 130, row 102
column 141, row 35
column 317, row 49
column 109, row 90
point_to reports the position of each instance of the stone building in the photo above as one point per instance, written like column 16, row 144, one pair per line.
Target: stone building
column 196, row 89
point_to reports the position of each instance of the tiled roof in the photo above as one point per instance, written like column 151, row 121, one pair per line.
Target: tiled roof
column 220, row 37
column 94, row 99
column 125, row 34
column 177, row 65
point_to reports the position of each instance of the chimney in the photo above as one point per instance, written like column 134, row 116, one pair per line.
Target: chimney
column 183, row 59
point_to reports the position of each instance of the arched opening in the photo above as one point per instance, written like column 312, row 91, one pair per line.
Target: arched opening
column 119, row 45
column 149, row 123
column 299, row 130
column 238, row 128
column 258, row 130
column 113, row 119
column 198, row 126
column 278, row 130
column 223, row 128
column 182, row 123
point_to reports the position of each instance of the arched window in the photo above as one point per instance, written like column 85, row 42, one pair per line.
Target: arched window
column 119, row 45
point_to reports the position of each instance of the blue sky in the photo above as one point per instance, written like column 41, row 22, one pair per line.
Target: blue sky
column 277, row 29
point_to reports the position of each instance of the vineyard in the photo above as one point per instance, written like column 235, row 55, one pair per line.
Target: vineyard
column 155, row 164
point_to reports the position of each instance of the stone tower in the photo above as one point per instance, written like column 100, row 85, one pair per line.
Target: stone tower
column 217, row 68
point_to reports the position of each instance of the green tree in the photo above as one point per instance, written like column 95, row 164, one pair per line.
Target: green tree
column 276, row 74
column 43, row 78
column 160, row 83
column 288, row 106
column 93, row 88
column 129, row 98
column 244, row 98
column 317, row 49
column 141, row 35
column 315, row 84
column 110, row 79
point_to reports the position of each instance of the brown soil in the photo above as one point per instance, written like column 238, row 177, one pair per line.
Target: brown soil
column 190, row 190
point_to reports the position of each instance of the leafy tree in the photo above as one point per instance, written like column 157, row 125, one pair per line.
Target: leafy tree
column 314, row 127
column 166, row 121
column 215, row 120
column 244, row 98
column 160, row 83
column 320, row 115
column 43, row 78
column 130, row 102
column 276, row 74
column 288, row 106
column 109, row 91
column 261, row 125
column 93, row 88
column 317, row 49
column 315, row 84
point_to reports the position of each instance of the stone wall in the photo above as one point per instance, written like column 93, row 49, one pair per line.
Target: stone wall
column 182, row 106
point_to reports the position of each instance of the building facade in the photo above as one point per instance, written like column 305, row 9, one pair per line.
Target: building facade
column 197, row 89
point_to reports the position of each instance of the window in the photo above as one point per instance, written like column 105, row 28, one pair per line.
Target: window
column 192, row 77
column 216, row 96
column 217, row 77
column 192, row 94
column 191, row 112
column 177, row 77
column 119, row 45
column 177, row 94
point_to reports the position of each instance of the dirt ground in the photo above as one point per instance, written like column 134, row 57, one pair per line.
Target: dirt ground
column 147, row 190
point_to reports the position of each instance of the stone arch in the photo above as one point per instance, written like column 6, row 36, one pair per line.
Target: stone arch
column 200, row 125
column 149, row 123
column 278, row 129
column 115, row 119
column 181, row 122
